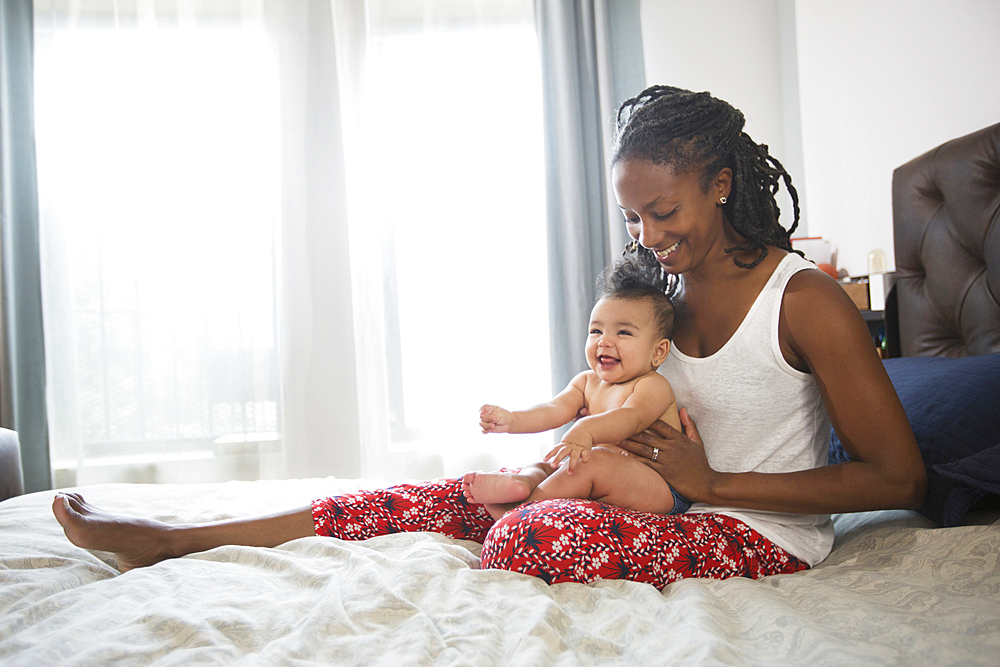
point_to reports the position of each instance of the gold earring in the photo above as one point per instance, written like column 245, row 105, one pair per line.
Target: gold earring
column 722, row 200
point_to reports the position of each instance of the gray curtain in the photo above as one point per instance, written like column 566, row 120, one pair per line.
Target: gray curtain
column 22, row 358
column 591, row 53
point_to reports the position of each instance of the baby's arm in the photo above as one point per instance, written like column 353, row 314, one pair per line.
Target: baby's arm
column 544, row 417
column 652, row 398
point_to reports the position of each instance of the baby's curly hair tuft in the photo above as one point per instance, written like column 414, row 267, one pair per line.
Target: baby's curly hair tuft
column 638, row 277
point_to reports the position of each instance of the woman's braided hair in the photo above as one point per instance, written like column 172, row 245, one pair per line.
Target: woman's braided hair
column 687, row 131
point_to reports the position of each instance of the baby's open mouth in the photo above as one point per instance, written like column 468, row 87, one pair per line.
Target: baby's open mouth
column 607, row 362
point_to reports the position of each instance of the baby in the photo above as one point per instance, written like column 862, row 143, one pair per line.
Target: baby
column 621, row 395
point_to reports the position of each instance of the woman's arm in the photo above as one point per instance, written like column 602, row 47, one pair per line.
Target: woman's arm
column 821, row 331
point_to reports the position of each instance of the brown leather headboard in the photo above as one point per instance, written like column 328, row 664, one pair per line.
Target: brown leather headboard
column 945, row 209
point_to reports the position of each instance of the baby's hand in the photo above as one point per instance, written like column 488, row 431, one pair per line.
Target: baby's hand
column 493, row 419
column 574, row 450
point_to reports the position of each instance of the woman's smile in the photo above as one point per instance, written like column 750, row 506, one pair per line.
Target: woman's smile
column 664, row 255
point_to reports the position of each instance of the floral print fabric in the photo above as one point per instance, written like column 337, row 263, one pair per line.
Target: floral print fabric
column 563, row 540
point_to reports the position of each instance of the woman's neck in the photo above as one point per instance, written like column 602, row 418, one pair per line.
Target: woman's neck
column 712, row 301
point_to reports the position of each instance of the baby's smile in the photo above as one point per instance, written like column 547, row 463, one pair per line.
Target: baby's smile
column 607, row 362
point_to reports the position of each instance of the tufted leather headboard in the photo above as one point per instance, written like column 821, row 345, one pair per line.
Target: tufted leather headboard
column 946, row 227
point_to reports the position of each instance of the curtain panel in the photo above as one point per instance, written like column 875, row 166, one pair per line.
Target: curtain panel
column 316, row 332
column 591, row 61
column 22, row 371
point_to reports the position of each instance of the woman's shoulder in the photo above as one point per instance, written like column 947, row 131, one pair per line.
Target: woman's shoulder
column 807, row 282
column 817, row 315
column 813, row 298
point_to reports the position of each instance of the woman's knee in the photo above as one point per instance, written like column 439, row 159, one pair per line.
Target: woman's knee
column 553, row 540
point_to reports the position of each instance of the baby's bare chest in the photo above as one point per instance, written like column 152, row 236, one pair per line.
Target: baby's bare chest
column 608, row 397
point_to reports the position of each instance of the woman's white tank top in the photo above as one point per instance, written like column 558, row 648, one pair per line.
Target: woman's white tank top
column 756, row 413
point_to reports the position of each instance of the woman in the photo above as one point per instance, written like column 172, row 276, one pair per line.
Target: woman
column 764, row 348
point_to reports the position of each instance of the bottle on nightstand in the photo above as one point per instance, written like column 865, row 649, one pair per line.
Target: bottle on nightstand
column 879, row 281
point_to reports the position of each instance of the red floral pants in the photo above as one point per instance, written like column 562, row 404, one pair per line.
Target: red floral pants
column 563, row 540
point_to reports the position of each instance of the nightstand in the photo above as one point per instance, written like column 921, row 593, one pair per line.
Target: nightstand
column 883, row 328
column 882, row 324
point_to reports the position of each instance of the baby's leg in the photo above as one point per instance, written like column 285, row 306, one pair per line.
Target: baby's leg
column 500, row 492
column 610, row 478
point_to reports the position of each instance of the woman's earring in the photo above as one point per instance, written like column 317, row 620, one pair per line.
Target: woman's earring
column 722, row 200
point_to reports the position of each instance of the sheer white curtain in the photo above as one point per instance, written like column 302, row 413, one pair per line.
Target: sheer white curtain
column 443, row 119
column 158, row 180
column 289, row 238
column 318, row 365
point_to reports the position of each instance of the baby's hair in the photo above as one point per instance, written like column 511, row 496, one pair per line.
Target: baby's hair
column 637, row 278
column 695, row 131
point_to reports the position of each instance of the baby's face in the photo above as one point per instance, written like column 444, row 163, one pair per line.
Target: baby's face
column 623, row 343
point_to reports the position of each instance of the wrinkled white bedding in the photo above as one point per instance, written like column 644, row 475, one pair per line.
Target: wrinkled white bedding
column 892, row 592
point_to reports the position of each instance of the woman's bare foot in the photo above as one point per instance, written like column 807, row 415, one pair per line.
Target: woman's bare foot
column 135, row 542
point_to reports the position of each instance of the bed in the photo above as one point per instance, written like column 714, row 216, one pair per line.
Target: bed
column 899, row 588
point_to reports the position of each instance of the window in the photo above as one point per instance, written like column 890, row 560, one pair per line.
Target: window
column 157, row 143
column 160, row 185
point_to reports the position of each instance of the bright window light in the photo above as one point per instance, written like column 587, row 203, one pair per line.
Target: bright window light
column 454, row 133
column 158, row 178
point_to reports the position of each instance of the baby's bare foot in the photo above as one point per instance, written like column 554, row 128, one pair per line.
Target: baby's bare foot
column 135, row 542
column 491, row 488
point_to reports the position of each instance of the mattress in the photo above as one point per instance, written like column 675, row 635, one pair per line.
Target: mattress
column 894, row 591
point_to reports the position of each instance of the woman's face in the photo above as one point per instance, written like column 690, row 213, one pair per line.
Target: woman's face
column 671, row 214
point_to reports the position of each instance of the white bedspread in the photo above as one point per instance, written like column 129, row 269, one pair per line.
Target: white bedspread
column 893, row 592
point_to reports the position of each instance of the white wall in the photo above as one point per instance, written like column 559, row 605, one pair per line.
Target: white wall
column 881, row 83
column 741, row 51
column 843, row 92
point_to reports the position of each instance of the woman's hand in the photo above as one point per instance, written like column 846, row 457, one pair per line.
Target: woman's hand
column 677, row 457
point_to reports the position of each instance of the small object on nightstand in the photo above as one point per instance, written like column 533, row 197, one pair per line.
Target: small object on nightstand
column 857, row 289
column 879, row 285
column 869, row 292
column 879, row 281
column 877, row 261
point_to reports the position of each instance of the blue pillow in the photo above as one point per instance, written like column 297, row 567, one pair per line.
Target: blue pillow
column 975, row 479
column 954, row 408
